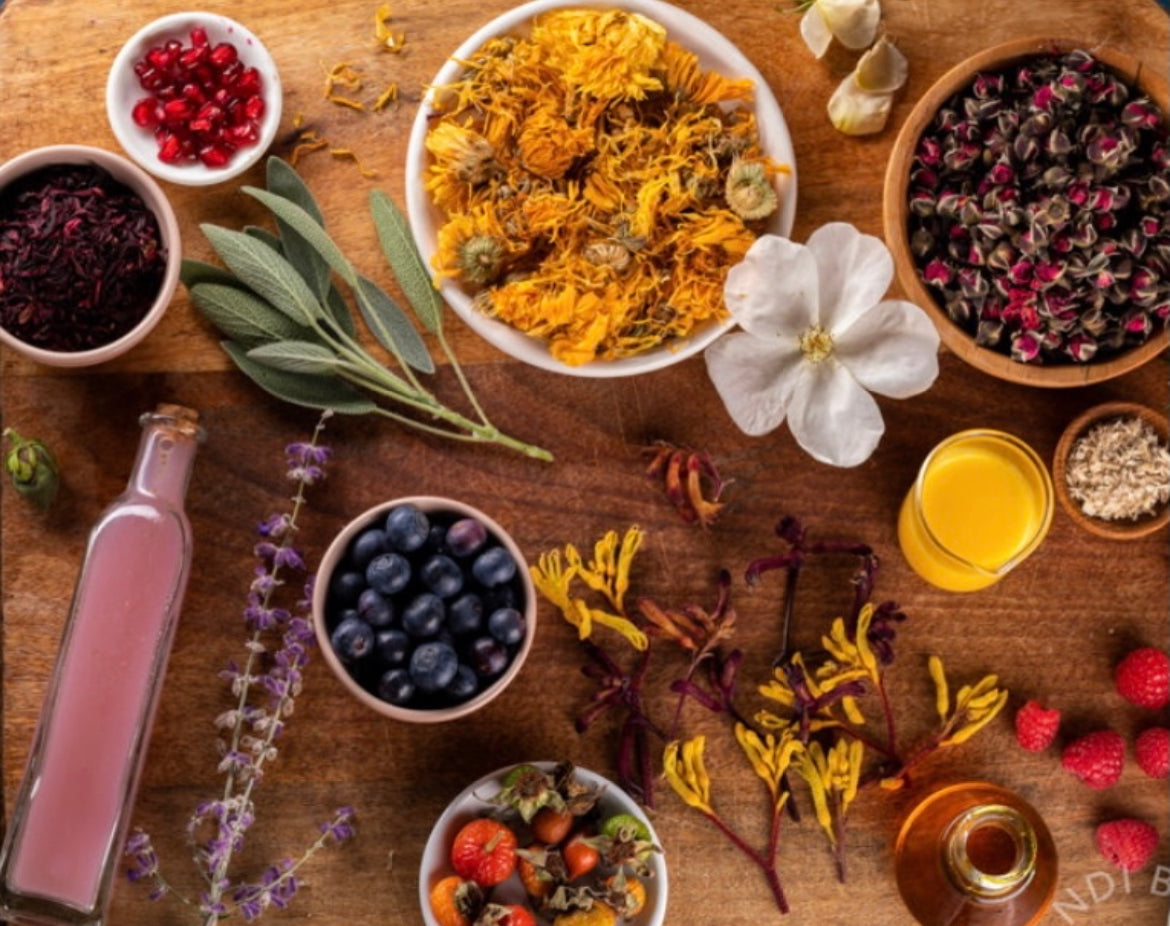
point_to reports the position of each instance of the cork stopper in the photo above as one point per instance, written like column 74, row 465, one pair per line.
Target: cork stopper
column 179, row 418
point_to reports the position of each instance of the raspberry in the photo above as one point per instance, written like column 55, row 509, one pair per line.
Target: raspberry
column 1152, row 748
column 1143, row 677
column 1127, row 843
column 1095, row 759
column 1036, row 726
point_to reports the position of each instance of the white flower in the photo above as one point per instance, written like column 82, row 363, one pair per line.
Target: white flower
column 861, row 103
column 853, row 23
column 816, row 341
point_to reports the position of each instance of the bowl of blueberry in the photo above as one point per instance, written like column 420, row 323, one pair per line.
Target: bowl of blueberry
column 424, row 608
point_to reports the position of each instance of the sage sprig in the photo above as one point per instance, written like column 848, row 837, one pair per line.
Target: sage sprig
column 290, row 330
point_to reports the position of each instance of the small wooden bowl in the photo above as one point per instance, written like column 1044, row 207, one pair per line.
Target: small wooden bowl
column 895, row 208
column 1114, row 530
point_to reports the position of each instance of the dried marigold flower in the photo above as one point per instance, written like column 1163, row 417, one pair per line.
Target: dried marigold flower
column 749, row 191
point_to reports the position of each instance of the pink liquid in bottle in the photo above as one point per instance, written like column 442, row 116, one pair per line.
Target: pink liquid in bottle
column 71, row 814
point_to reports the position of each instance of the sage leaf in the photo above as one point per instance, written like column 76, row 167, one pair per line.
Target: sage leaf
column 310, row 232
column 407, row 264
column 307, row 391
column 297, row 357
column 338, row 310
column 243, row 316
column 264, row 235
column 391, row 326
column 266, row 273
column 285, row 182
column 193, row 272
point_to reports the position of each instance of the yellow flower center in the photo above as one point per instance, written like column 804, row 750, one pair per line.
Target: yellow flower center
column 816, row 344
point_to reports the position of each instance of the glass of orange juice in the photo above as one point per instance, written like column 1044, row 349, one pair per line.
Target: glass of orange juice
column 981, row 504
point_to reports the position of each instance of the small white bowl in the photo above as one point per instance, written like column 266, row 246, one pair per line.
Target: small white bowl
column 126, row 173
column 123, row 91
column 335, row 556
column 715, row 53
column 472, row 802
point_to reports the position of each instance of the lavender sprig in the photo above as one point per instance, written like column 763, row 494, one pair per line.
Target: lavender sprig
column 265, row 688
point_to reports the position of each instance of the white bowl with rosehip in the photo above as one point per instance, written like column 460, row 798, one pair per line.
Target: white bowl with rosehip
column 194, row 98
column 543, row 843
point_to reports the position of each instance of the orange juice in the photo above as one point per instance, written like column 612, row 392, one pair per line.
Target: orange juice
column 981, row 504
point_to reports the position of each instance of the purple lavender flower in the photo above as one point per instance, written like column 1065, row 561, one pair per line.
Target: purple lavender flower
column 263, row 690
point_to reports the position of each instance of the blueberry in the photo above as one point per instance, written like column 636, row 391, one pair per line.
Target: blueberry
column 366, row 545
column 424, row 615
column 465, row 614
column 352, row 639
column 393, row 646
column 433, row 666
column 388, row 573
column 507, row 626
column 396, row 686
column 464, row 684
column 466, row 536
column 493, row 567
column 407, row 528
column 437, row 538
column 502, row 596
column 488, row 657
column 345, row 586
column 442, row 575
column 374, row 609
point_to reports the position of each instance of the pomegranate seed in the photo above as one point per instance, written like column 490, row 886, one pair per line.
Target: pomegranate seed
column 172, row 49
column 249, row 83
column 211, row 112
column 157, row 59
column 166, row 93
column 243, row 135
column 254, row 108
column 193, row 56
column 175, row 111
column 230, row 75
column 170, row 150
column 222, row 96
column 224, row 54
column 214, row 156
column 199, row 37
column 145, row 113
column 194, row 93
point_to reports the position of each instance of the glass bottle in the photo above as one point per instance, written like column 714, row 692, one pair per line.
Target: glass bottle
column 72, row 810
column 975, row 854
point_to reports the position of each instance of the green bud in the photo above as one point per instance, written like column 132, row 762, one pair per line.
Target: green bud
column 33, row 469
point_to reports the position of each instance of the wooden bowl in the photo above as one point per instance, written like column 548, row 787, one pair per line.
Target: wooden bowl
column 1114, row 530
column 896, row 211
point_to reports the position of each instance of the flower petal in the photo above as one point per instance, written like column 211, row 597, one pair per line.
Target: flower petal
column 891, row 350
column 854, row 111
column 773, row 290
column 832, row 417
column 815, row 31
column 854, row 272
column 853, row 22
column 754, row 378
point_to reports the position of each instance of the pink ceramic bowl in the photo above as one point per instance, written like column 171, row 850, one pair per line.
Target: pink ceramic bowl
column 337, row 559
column 137, row 180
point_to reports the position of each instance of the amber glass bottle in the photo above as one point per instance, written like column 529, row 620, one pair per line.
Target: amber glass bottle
column 975, row 854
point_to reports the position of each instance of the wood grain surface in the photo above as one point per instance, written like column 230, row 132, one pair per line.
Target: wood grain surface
column 1052, row 629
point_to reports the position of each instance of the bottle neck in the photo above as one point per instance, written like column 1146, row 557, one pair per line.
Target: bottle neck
column 166, row 453
column 990, row 852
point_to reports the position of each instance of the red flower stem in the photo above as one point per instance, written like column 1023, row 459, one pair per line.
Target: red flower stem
column 891, row 733
column 768, row 867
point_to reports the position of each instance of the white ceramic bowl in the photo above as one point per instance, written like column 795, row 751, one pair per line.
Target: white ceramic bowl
column 472, row 802
column 123, row 91
column 335, row 556
column 715, row 53
column 126, row 173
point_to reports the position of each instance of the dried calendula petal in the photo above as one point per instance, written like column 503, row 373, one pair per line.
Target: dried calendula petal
column 856, row 107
